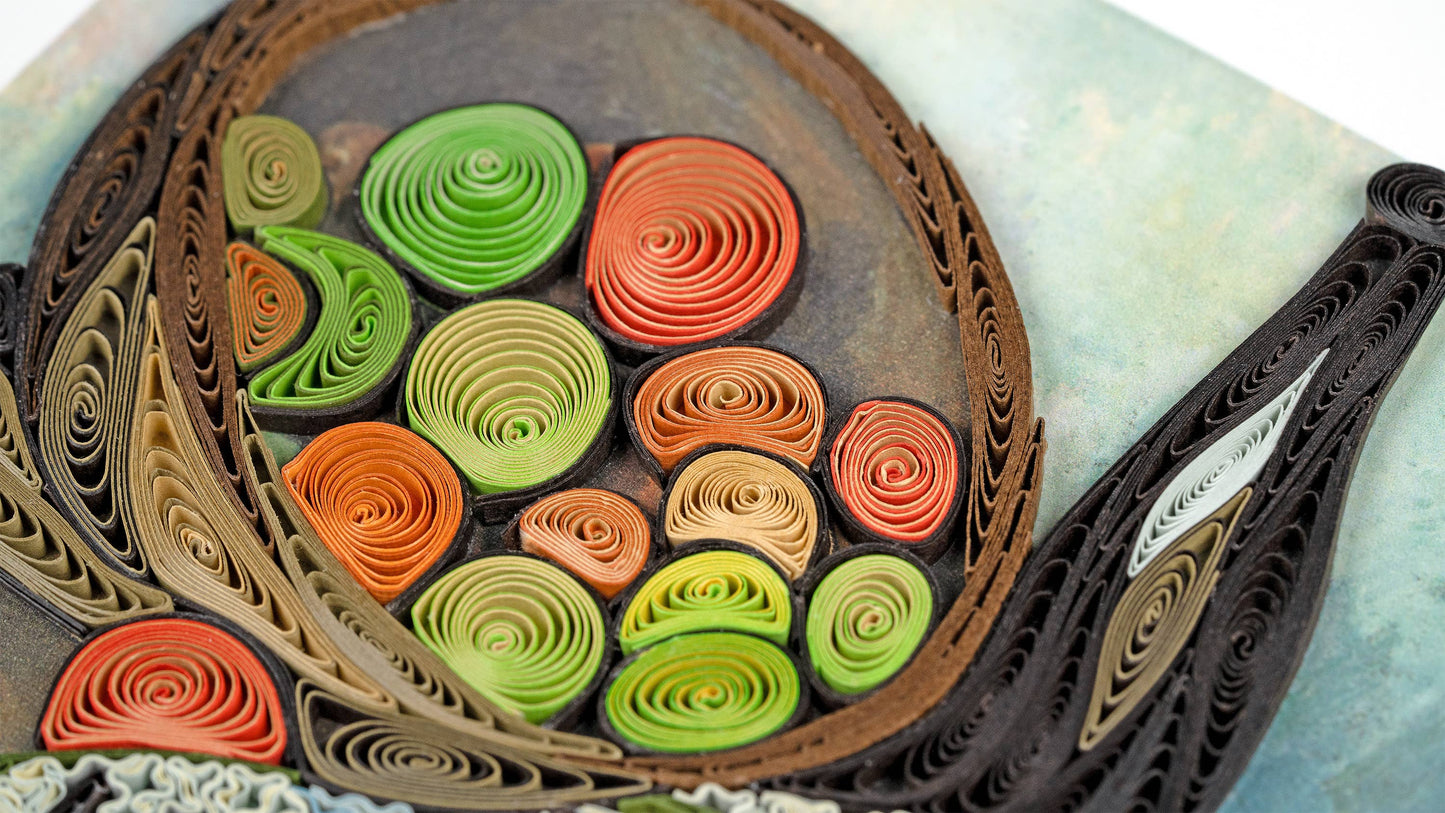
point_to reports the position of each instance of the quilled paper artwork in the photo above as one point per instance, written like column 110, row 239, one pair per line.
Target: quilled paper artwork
column 483, row 431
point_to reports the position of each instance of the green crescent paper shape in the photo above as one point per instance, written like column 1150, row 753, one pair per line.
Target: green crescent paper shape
column 364, row 323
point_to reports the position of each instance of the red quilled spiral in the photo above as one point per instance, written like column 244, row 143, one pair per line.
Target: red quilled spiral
column 693, row 239
column 894, row 468
column 170, row 684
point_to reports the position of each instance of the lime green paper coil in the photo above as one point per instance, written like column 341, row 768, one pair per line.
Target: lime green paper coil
column 519, row 630
column 364, row 323
column 711, row 590
column 703, row 692
column 865, row 620
column 513, row 391
column 476, row 197
column 271, row 173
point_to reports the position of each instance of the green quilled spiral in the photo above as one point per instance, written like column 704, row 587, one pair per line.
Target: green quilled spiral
column 865, row 619
column 513, row 391
column 272, row 174
column 710, row 590
column 476, row 197
column 520, row 630
column 364, row 324
column 703, row 692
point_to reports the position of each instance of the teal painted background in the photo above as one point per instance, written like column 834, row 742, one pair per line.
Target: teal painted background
column 1152, row 207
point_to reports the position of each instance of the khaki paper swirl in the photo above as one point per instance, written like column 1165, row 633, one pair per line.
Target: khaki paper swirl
column 746, row 498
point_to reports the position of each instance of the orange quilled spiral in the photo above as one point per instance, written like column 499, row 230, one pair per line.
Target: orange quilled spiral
column 385, row 502
column 268, row 305
column 600, row 536
column 737, row 395
column 692, row 240
column 171, row 684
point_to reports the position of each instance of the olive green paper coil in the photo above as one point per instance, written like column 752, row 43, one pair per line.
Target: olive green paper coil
column 703, row 692
column 710, row 590
column 272, row 175
column 513, row 391
column 363, row 327
column 865, row 619
column 520, row 630
column 476, row 197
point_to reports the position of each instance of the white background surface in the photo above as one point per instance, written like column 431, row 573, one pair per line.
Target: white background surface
column 1371, row 65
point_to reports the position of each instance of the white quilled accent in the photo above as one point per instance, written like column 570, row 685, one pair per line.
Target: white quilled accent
column 1217, row 474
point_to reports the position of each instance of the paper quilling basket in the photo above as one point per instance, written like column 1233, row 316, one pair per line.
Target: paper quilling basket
column 503, row 406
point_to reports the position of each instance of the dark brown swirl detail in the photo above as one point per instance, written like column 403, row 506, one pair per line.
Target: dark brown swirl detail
column 190, row 283
column 104, row 193
column 1411, row 198
column 1105, row 690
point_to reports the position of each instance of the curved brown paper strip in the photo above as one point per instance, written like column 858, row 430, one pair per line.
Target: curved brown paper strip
column 86, row 392
column 201, row 548
column 390, row 755
column 14, row 449
column 42, row 552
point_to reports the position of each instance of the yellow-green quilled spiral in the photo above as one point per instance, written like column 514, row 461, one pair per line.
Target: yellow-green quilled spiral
column 711, row 590
column 513, row 391
column 521, row 631
column 865, row 619
column 272, row 174
column 703, row 692
column 476, row 197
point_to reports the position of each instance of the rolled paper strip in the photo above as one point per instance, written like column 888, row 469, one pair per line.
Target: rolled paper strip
column 866, row 618
column 375, row 641
column 1411, row 198
column 385, row 502
column 1217, row 474
column 738, row 395
column 520, row 630
column 693, row 239
column 600, row 536
column 391, row 755
column 203, row 549
column 1155, row 617
column 702, row 692
column 709, row 590
column 86, row 389
column 894, row 469
column 515, row 392
column 14, row 448
column 43, row 554
column 748, row 498
column 476, row 198
column 271, row 173
column 365, row 321
column 11, row 277
column 172, row 684
column 268, row 306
